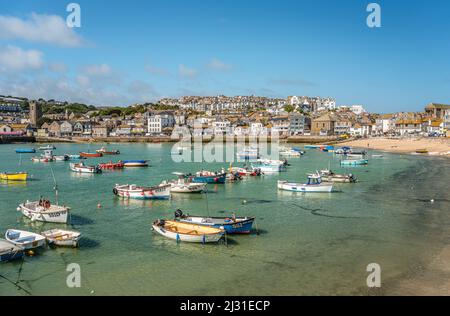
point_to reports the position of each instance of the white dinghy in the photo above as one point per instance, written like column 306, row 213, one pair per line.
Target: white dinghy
column 24, row 239
column 63, row 238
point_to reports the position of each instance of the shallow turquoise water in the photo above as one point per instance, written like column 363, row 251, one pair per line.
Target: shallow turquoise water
column 308, row 244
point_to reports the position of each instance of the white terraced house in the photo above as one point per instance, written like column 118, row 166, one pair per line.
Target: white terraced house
column 157, row 123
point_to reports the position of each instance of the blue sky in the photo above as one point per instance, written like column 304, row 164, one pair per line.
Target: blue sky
column 135, row 51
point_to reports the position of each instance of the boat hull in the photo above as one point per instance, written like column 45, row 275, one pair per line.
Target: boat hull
column 20, row 176
column 218, row 179
column 85, row 169
column 190, row 233
column 305, row 188
column 9, row 251
column 62, row 238
column 143, row 193
column 188, row 188
column 58, row 215
column 25, row 240
column 25, row 151
column 359, row 162
column 135, row 163
column 239, row 226
column 91, row 155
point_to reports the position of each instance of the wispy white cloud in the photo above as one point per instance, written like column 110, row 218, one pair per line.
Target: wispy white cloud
column 14, row 58
column 51, row 29
column 100, row 70
column 187, row 72
column 156, row 70
column 217, row 64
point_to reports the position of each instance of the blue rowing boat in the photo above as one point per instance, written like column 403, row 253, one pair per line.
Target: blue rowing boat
column 25, row 150
column 209, row 177
column 232, row 224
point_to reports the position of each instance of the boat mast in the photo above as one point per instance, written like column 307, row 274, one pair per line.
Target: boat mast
column 56, row 185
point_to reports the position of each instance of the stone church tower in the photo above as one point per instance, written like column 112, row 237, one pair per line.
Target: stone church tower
column 35, row 113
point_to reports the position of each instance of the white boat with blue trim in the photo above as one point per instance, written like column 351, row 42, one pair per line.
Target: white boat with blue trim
column 314, row 185
column 25, row 240
column 187, row 232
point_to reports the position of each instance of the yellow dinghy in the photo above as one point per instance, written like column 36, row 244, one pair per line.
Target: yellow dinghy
column 18, row 176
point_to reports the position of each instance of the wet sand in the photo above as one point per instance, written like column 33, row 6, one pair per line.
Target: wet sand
column 438, row 146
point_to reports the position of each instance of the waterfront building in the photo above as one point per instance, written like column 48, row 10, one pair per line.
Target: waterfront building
column 298, row 123
column 323, row 125
column 436, row 110
column 157, row 123
column 342, row 126
column 66, row 128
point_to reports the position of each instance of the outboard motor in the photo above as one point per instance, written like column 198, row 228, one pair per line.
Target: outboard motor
column 178, row 213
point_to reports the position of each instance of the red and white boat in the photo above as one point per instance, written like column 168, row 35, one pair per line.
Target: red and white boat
column 243, row 172
column 91, row 155
column 132, row 191
column 82, row 168
column 111, row 165
column 42, row 159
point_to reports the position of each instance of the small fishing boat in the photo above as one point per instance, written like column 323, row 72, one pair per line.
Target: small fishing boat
column 354, row 162
column 48, row 147
column 327, row 148
column 104, row 151
column 187, row 232
column 135, row 163
column 269, row 166
column 185, row 185
column 61, row 158
column 44, row 211
column 42, row 159
column 82, row 168
column 210, row 177
column 231, row 224
column 290, row 153
column 91, row 155
column 421, row 151
column 314, row 185
column 25, row 240
column 377, row 156
column 311, row 146
column 111, row 165
column 9, row 251
column 329, row 176
column 17, row 176
column 246, row 171
column 62, row 238
column 25, row 150
column 132, row 191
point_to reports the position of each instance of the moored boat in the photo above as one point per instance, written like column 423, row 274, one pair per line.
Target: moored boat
column 422, row 151
column 42, row 159
column 132, row 191
column 111, row 165
column 246, row 171
column 16, row 176
column 185, row 185
column 25, row 240
column 9, row 251
column 82, row 168
column 90, row 155
column 290, row 153
column 48, row 147
column 61, row 158
column 354, row 162
column 187, row 232
column 329, row 176
column 62, row 238
column 314, row 185
column 135, row 163
column 104, row 151
column 231, row 224
column 269, row 166
column 44, row 211
column 209, row 177
column 25, row 150
column 248, row 153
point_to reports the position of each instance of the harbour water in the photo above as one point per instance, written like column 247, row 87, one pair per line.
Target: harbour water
column 313, row 244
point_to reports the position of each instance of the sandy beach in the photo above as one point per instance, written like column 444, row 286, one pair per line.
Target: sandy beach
column 434, row 146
